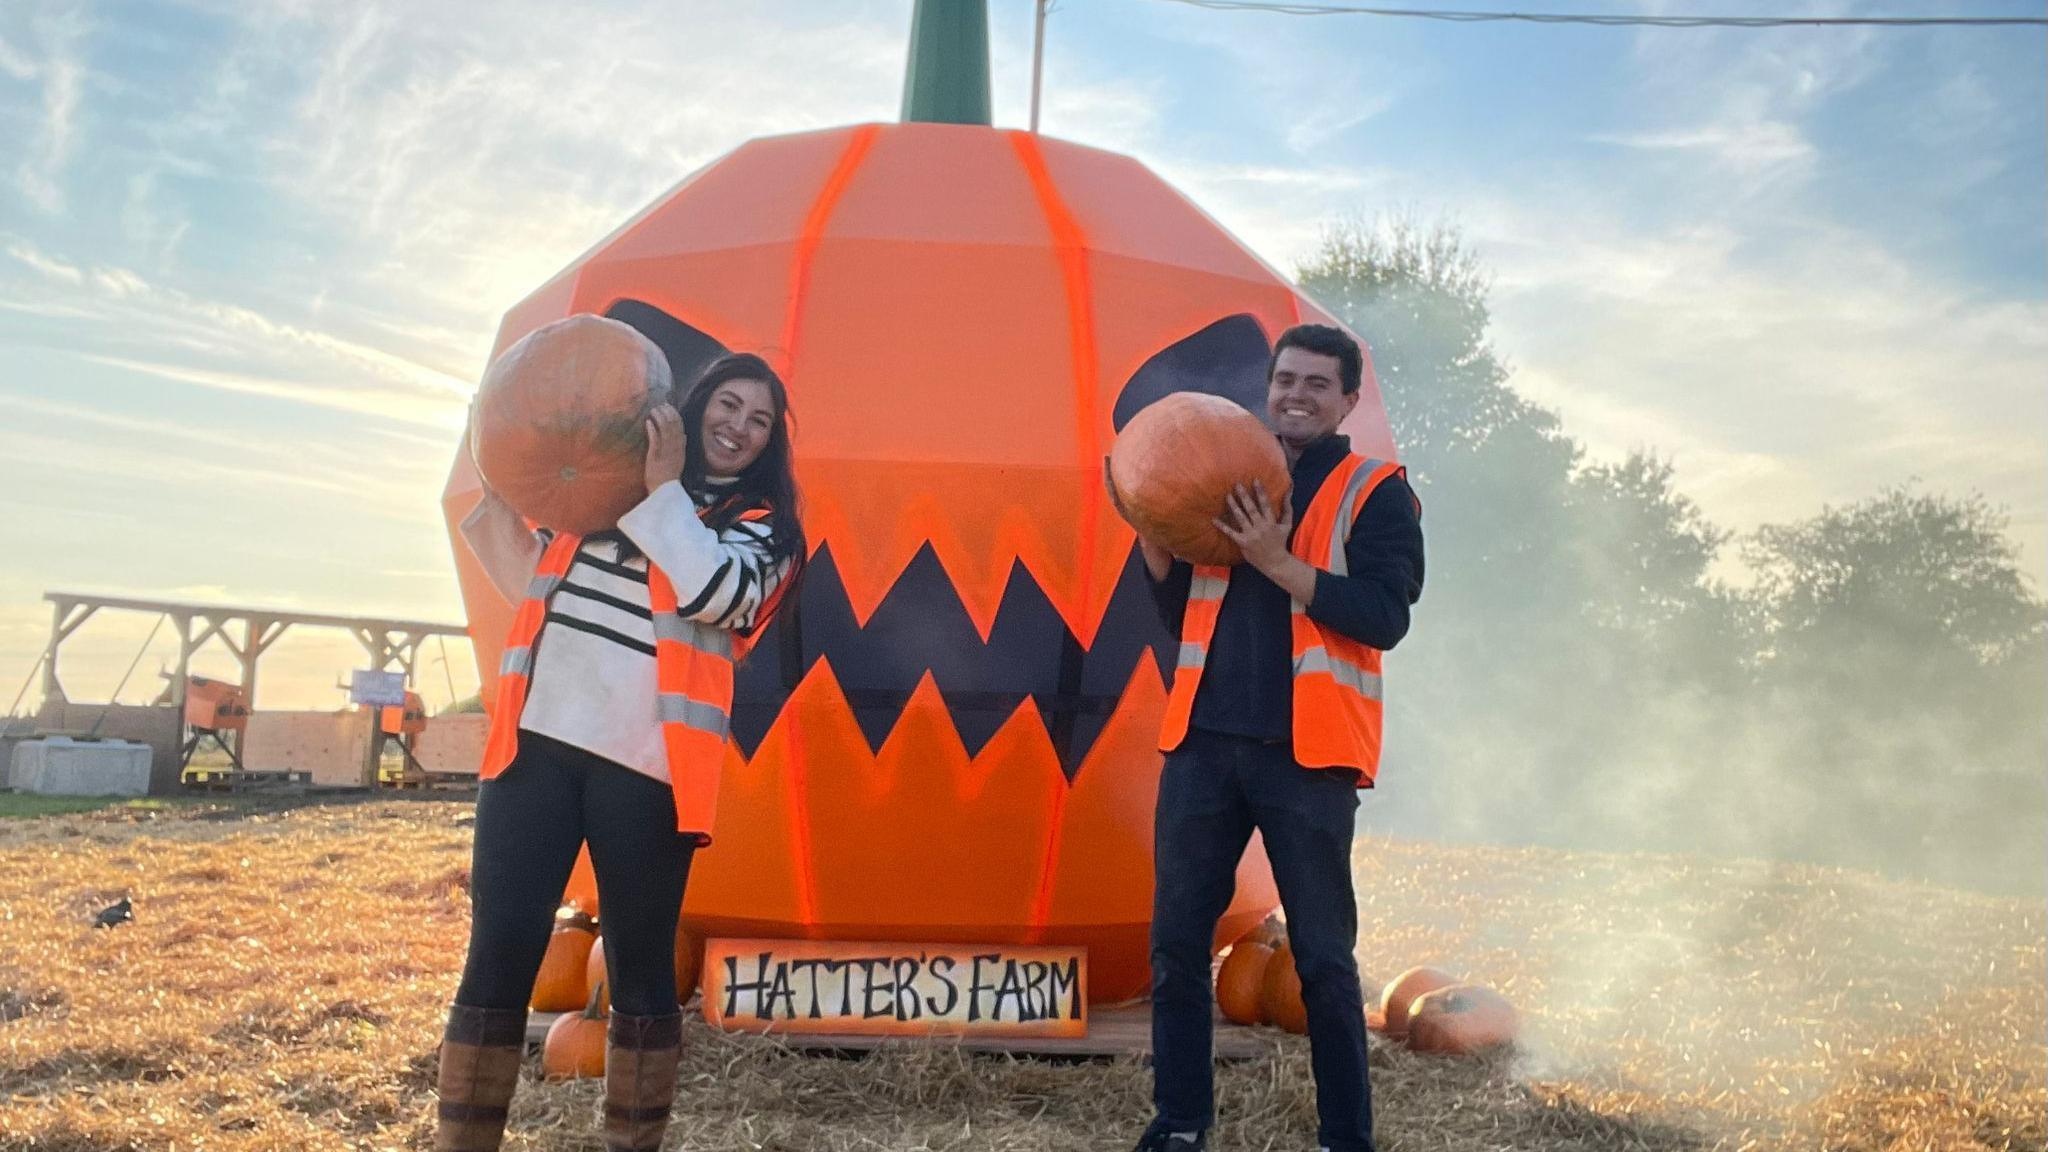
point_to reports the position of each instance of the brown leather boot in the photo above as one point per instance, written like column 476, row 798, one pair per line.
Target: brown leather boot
column 480, row 1057
column 640, row 1080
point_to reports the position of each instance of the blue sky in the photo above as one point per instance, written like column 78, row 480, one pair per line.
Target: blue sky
column 252, row 255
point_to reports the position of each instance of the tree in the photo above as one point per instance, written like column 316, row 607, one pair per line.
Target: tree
column 1563, row 601
column 1577, row 674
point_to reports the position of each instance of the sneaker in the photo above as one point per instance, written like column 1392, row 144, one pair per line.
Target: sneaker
column 1158, row 1138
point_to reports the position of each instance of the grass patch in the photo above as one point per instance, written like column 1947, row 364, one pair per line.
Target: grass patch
column 285, row 979
column 28, row 805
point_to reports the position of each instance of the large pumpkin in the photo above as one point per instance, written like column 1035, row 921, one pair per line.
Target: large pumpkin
column 951, row 734
column 1175, row 465
column 1461, row 1020
column 560, row 421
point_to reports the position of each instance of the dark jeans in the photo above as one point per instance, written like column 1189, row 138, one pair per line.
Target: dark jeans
column 1214, row 791
column 530, row 821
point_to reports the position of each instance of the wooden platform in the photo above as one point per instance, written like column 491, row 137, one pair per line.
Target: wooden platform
column 451, row 782
column 1125, row 1030
column 244, row 780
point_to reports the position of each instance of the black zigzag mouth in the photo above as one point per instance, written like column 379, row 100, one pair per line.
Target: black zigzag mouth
column 922, row 626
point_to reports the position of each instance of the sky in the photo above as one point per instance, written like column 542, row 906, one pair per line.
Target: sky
column 253, row 254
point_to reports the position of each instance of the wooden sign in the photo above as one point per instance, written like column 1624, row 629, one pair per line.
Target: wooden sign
column 840, row 988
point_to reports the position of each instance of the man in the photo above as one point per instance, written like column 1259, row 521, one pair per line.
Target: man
column 1273, row 723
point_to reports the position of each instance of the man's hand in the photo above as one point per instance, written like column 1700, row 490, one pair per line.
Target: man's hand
column 665, row 446
column 1261, row 534
column 1248, row 519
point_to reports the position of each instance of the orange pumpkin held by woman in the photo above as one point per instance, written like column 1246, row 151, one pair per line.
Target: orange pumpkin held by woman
column 561, row 418
column 950, row 734
column 1176, row 462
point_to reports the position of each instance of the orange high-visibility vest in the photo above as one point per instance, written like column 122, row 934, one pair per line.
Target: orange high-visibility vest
column 1336, row 721
column 693, row 665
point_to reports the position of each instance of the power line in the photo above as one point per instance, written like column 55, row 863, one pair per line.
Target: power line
column 1287, row 9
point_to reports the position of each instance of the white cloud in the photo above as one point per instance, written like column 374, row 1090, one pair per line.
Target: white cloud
column 16, row 65
column 340, row 398
column 47, row 266
column 1820, row 372
column 40, row 174
column 1751, row 148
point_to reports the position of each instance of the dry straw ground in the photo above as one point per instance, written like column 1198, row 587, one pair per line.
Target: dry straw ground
column 283, row 982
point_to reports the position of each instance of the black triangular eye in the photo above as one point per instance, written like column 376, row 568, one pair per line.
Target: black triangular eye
column 689, row 351
column 1227, row 359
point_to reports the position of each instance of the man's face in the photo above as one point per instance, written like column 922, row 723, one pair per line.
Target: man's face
column 1305, row 398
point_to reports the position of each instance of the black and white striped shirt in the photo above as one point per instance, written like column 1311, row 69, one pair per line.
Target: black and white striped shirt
column 593, row 683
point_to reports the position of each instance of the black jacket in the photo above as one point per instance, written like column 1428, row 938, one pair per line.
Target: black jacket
column 1248, row 682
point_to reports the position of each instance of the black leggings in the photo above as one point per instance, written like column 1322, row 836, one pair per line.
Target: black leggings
column 530, row 821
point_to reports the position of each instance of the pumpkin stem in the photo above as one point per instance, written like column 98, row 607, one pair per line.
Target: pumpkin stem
column 946, row 79
column 591, row 1011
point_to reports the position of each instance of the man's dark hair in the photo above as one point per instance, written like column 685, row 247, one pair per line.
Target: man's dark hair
column 1324, row 340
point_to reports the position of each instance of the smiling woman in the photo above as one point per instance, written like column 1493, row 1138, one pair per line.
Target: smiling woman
column 615, row 692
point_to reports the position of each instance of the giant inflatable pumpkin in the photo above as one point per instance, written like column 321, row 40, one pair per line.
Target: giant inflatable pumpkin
column 950, row 734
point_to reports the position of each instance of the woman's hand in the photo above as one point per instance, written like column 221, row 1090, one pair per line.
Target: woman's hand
column 665, row 446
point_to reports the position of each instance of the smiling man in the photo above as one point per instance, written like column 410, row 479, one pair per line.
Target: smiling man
column 1274, row 723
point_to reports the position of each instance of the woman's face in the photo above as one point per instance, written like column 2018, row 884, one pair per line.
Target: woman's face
column 738, row 421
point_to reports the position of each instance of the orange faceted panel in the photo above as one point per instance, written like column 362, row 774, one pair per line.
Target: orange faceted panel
column 950, row 733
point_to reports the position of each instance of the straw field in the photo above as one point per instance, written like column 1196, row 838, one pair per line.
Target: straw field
column 282, row 984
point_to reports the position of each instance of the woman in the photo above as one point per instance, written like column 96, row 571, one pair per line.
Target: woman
column 609, row 728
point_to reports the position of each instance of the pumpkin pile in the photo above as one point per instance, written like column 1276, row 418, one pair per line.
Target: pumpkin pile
column 1257, row 983
column 1436, row 1012
column 1427, row 1007
column 573, row 981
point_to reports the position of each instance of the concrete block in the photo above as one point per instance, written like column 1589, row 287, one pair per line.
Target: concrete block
column 61, row 766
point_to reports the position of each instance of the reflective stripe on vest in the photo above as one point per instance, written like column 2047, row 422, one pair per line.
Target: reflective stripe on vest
column 1337, row 712
column 693, row 683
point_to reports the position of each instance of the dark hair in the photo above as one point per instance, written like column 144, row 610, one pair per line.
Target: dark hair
column 770, row 481
column 1324, row 340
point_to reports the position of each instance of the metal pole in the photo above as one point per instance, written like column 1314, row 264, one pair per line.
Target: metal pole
column 1037, row 60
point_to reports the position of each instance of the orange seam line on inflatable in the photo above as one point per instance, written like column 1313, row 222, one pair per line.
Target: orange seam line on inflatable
column 800, row 281
column 1294, row 304
column 1072, row 245
column 799, row 801
column 814, row 232
column 1048, row 875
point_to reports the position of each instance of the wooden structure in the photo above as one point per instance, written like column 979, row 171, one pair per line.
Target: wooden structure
column 1119, row 1030
column 246, row 632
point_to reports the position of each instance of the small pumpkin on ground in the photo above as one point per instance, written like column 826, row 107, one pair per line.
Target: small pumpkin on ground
column 689, row 963
column 1240, row 980
column 1461, row 1020
column 560, row 986
column 574, row 1049
column 1272, row 932
column 1397, row 997
column 1280, row 993
column 595, row 982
